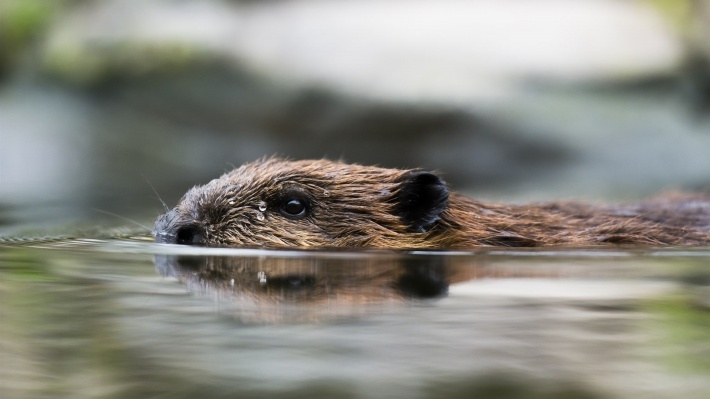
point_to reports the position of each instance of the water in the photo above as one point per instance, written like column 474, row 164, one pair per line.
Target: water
column 117, row 318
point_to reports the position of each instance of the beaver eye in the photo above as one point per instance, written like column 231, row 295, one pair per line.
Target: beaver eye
column 294, row 208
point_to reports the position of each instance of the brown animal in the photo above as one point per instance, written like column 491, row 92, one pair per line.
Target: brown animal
column 320, row 203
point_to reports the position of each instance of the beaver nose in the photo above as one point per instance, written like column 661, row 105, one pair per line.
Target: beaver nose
column 170, row 229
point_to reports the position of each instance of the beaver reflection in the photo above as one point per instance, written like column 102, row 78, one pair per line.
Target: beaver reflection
column 310, row 279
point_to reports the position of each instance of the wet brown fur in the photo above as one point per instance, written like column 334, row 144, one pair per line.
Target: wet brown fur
column 357, row 206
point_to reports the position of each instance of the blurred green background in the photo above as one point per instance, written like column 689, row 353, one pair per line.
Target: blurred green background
column 529, row 100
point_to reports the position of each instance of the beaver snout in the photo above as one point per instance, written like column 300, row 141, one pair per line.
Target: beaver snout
column 170, row 228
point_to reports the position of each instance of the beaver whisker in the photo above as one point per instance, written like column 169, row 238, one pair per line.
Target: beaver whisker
column 122, row 217
column 167, row 209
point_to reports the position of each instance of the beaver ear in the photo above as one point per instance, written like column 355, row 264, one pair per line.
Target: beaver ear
column 421, row 198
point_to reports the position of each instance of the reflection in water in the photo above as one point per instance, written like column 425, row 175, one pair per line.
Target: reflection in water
column 309, row 280
column 310, row 286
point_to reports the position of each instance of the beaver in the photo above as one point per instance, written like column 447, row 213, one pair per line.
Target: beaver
column 278, row 203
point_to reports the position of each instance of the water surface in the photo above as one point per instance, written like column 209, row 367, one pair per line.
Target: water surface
column 124, row 317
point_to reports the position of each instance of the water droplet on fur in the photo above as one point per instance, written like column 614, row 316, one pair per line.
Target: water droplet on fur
column 260, row 216
column 262, row 277
column 231, row 282
column 385, row 192
column 262, row 206
column 231, row 202
column 326, row 193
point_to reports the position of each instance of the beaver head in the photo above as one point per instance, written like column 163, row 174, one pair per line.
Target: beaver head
column 317, row 203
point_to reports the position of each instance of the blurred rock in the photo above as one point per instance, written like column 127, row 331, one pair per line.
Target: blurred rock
column 449, row 51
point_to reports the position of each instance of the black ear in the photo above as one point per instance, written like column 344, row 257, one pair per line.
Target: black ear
column 421, row 198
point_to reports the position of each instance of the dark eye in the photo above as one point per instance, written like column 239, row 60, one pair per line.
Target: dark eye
column 294, row 208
